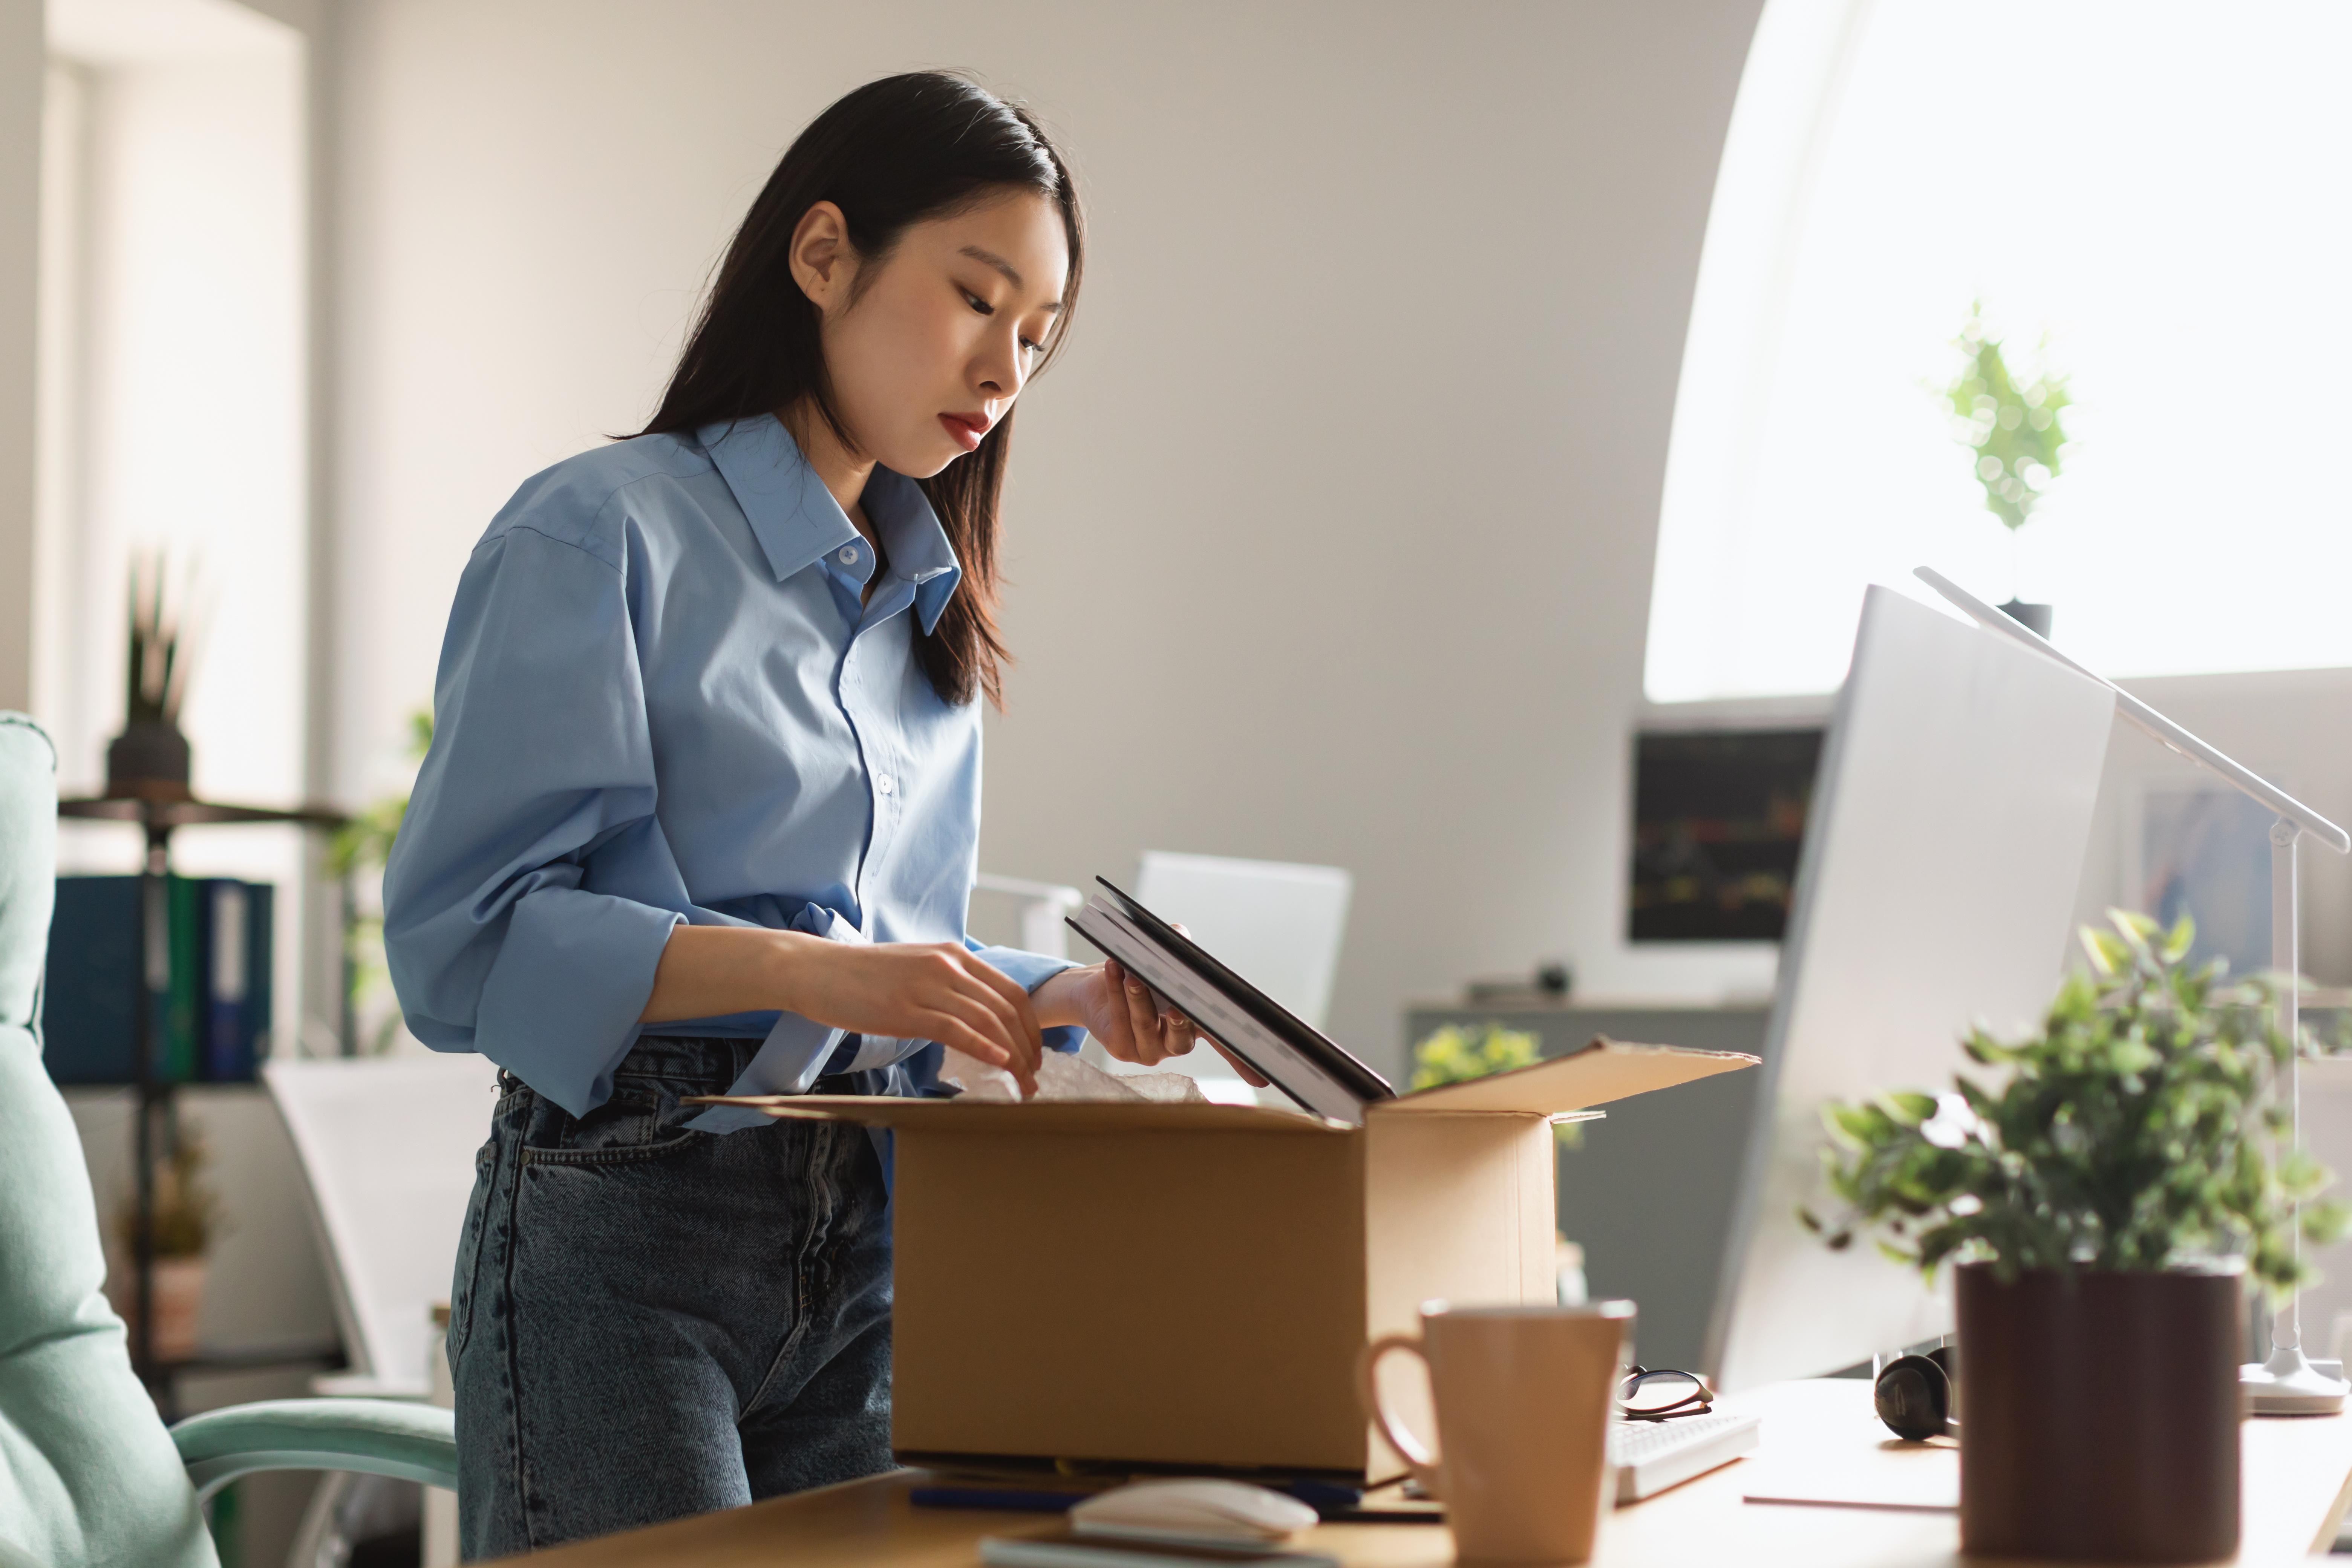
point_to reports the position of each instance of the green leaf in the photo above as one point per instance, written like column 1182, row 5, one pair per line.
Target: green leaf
column 1909, row 1107
column 2179, row 939
column 2107, row 954
column 1859, row 1124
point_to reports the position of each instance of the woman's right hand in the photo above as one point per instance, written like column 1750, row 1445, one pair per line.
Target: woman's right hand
column 914, row 991
column 920, row 991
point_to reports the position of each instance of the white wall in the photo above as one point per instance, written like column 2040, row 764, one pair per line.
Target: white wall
column 21, row 58
column 178, row 421
column 1330, row 539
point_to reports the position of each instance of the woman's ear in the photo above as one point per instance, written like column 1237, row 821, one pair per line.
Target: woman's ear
column 823, row 259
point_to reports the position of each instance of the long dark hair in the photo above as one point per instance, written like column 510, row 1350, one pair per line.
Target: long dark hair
column 892, row 153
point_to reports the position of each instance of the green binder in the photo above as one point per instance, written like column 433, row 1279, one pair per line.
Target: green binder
column 184, row 1010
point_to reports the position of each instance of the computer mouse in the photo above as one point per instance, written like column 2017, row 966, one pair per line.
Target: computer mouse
column 1214, row 1510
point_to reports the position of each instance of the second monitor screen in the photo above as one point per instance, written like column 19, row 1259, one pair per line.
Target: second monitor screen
column 1718, row 817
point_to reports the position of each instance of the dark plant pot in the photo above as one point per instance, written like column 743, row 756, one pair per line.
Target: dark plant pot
column 2099, row 1415
column 2035, row 618
column 149, row 758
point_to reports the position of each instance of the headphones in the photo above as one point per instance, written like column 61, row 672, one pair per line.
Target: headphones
column 1913, row 1395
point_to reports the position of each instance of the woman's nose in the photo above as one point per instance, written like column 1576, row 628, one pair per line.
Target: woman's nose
column 1000, row 370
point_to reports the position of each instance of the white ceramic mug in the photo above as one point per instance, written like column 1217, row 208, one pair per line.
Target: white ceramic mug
column 1524, row 1397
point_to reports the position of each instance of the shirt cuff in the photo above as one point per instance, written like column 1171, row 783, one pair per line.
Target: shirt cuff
column 560, row 1009
column 1029, row 971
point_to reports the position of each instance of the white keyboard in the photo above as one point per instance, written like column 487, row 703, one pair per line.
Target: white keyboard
column 1651, row 1455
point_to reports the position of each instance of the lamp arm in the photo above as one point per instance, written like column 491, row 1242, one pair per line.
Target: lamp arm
column 2147, row 718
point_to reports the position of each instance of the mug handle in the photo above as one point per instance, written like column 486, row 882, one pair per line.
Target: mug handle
column 1417, row 1457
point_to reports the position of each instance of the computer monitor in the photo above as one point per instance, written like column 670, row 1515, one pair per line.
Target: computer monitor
column 1935, row 890
column 1719, row 822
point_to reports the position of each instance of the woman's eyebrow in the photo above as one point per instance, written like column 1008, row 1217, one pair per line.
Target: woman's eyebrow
column 1012, row 274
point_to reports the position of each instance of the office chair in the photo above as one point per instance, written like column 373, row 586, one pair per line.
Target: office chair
column 88, row 1474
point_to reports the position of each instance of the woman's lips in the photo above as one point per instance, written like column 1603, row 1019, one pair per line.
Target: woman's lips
column 966, row 430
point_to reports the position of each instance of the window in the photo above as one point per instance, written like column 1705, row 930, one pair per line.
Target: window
column 173, row 408
column 2159, row 188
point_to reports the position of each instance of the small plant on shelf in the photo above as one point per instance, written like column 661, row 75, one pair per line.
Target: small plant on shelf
column 186, row 1222
column 187, row 1217
column 151, row 756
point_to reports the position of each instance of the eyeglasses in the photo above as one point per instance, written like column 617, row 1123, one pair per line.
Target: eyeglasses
column 1661, row 1393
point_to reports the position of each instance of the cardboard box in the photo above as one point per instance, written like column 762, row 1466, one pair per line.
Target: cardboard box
column 1191, row 1285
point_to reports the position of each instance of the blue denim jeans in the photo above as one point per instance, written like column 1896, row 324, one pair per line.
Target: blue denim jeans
column 648, row 1322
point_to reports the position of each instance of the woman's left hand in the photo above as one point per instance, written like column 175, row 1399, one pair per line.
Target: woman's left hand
column 1134, row 1023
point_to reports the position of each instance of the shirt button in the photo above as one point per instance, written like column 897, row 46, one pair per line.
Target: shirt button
column 849, row 555
column 884, row 783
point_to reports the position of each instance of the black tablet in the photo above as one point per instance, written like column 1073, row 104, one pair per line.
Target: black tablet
column 1330, row 1058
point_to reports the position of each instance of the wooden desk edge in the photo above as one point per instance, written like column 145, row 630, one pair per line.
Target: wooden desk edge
column 872, row 1520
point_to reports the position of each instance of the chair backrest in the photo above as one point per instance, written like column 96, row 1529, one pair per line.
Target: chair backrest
column 387, row 1146
column 87, row 1475
column 1275, row 924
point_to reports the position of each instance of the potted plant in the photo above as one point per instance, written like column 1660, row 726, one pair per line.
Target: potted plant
column 2015, row 425
column 2107, row 1200
column 151, row 759
column 357, row 856
column 1456, row 1053
column 185, row 1222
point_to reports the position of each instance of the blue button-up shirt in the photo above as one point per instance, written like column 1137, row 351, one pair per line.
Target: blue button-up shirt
column 661, row 700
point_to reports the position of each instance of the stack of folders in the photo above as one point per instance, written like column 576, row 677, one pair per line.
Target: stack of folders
column 1289, row 1053
column 207, row 980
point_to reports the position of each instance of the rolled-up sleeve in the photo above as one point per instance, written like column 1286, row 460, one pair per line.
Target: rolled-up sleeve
column 497, row 938
column 1029, row 971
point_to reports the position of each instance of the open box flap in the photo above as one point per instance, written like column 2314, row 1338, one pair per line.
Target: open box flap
column 1602, row 1071
column 995, row 1116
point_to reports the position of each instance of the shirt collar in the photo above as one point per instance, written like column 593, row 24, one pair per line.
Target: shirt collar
column 798, row 523
column 918, row 545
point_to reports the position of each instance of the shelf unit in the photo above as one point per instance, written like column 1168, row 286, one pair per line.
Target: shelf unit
column 157, row 813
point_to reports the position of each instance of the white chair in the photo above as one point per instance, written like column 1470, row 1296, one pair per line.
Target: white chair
column 1043, row 905
column 1278, row 925
column 387, row 1147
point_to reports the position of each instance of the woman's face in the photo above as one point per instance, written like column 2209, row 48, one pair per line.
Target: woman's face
column 928, row 353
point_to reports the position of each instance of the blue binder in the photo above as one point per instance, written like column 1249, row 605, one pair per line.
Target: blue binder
column 91, row 988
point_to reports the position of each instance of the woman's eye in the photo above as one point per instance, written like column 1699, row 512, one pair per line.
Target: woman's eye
column 977, row 303
column 1032, row 350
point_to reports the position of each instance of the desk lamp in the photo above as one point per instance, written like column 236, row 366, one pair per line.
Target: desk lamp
column 2287, row 1384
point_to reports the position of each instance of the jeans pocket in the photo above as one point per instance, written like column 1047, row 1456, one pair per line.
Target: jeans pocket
column 628, row 1127
column 464, row 1283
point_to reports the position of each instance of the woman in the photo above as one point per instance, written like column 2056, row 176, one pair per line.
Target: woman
column 700, row 817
